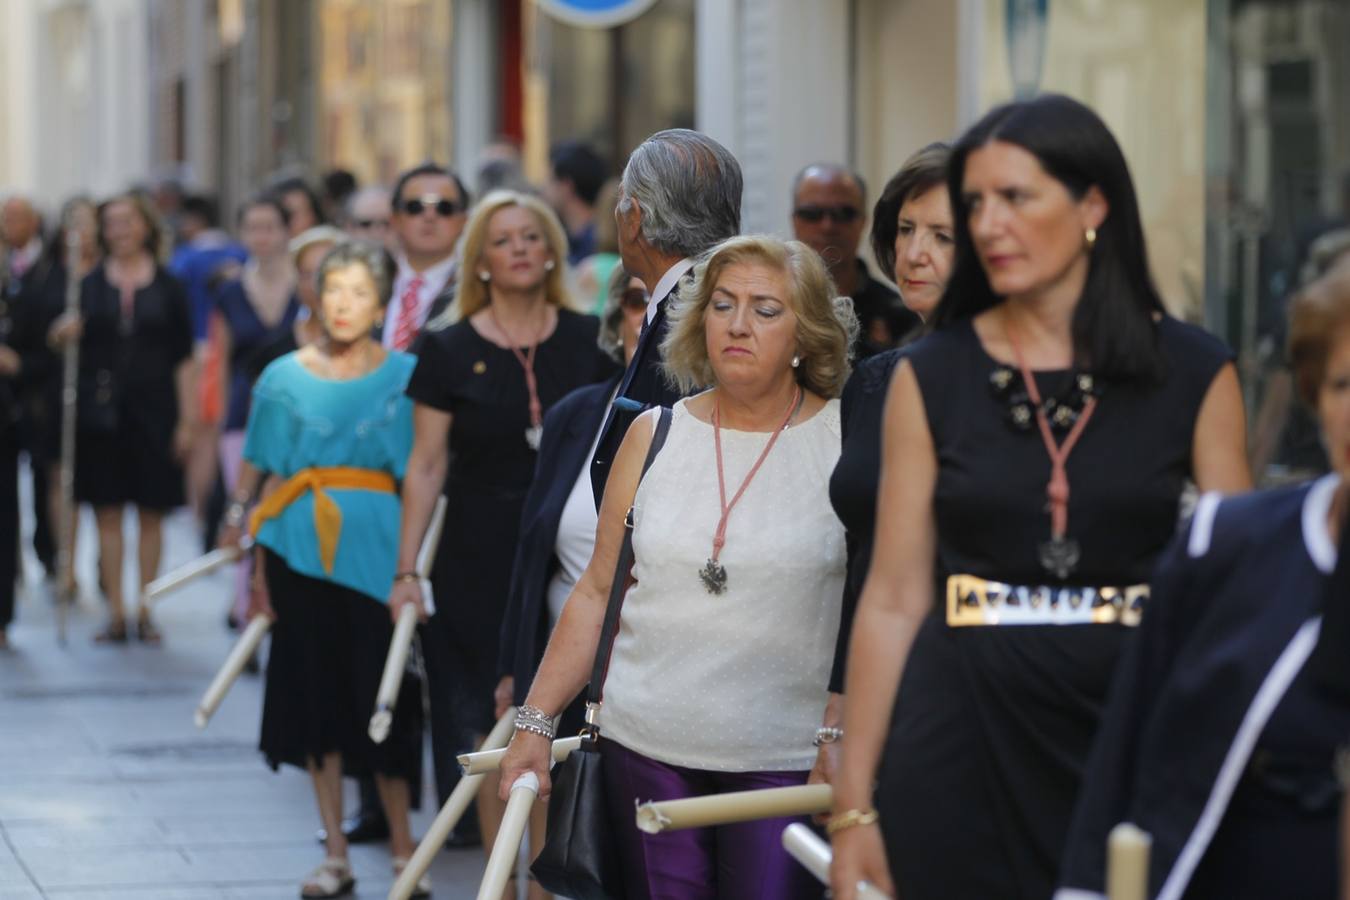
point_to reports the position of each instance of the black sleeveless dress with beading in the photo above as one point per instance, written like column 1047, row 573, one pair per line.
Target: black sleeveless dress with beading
column 993, row 722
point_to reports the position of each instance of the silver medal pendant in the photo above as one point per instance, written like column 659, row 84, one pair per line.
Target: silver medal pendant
column 1059, row 556
column 533, row 435
column 714, row 576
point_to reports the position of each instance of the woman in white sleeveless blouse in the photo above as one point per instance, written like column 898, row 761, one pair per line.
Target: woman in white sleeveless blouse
column 717, row 679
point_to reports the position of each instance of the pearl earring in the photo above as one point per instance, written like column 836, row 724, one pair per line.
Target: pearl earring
column 796, row 361
column 548, row 266
column 1091, row 237
column 484, row 277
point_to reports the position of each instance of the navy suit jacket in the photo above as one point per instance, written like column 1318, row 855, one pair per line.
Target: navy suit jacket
column 569, row 428
column 644, row 385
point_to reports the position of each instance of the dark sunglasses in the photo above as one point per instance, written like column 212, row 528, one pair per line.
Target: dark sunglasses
column 634, row 298
column 444, row 208
column 843, row 215
column 383, row 223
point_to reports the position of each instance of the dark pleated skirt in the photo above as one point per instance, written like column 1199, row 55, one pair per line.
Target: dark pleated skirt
column 323, row 671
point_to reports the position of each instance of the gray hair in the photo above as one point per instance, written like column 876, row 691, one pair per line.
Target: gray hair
column 688, row 188
column 610, row 338
column 359, row 252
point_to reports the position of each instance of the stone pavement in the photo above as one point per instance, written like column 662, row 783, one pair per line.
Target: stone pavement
column 108, row 791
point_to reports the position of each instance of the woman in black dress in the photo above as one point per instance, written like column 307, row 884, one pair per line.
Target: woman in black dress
column 912, row 239
column 1002, row 598
column 481, row 388
column 134, row 427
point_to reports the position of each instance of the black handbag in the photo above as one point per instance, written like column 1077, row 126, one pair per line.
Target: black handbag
column 580, row 855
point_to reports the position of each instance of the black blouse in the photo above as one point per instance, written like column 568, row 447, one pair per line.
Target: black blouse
column 853, row 486
column 141, row 350
column 483, row 386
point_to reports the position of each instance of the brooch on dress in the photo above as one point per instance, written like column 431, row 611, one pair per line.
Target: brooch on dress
column 1062, row 410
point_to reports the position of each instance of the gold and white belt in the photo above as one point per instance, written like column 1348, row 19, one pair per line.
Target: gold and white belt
column 976, row 601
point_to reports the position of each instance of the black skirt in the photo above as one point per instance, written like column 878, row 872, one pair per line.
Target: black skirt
column 323, row 671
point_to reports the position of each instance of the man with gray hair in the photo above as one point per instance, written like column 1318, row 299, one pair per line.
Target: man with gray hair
column 680, row 195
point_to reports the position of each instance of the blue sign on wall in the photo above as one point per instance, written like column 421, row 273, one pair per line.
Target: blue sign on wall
column 595, row 13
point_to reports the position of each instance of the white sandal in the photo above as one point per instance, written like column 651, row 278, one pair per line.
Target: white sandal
column 332, row 878
column 423, row 886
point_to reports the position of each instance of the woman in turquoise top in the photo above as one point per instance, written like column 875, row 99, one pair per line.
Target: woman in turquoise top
column 330, row 429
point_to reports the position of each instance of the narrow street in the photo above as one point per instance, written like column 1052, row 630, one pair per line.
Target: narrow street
column 108, row 791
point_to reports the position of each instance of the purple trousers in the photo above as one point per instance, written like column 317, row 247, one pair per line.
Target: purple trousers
column 729, row 862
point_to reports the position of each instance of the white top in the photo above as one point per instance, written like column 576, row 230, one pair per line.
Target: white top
column 576, row 538
column 434, row 281
column 735, row 682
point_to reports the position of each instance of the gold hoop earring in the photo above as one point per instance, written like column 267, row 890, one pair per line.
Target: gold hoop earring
column 1091, row 237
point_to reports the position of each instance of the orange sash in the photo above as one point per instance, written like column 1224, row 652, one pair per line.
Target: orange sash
column 327, row 514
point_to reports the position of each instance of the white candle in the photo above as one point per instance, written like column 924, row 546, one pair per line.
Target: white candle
column 243, row 650
column 502, row 862
column 449, row 816
column 491, row 760
column 392, row 679
column 1127, row 863
column 815, row 855
column 740, row 806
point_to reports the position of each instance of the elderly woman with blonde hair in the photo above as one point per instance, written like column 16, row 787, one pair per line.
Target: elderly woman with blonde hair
column 717, row 676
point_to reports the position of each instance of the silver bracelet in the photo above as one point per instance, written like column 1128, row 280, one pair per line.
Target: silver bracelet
column 827, row 735
column 534, row 728
column 535, row 717
column 235, row 514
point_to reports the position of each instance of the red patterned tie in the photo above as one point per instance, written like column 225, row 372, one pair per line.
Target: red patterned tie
column 407, row 314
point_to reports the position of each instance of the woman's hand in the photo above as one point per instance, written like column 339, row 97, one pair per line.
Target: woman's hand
column 824, row 769
column 403, row 593
column 259, row 599
column 859, row 855
column 527, row 752
column 230, row 536
column 66, row 328
column 503, row 695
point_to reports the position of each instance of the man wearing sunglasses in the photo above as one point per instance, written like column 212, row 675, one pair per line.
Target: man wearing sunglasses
column 368, row 215
column 430, row 209
column 829, row 216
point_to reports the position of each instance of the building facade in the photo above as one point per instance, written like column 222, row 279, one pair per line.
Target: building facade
column 1234, row 114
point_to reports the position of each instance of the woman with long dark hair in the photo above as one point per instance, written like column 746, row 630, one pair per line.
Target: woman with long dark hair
column 1035, row 448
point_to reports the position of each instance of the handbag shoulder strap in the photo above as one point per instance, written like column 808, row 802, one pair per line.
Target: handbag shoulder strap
column 619, row 588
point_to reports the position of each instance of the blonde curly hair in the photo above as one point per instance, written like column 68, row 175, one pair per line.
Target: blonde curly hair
column 826, row 324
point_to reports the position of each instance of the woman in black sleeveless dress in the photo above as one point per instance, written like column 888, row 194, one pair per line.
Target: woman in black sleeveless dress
column 133, row 427
column 481, row 388
column 1007, row 584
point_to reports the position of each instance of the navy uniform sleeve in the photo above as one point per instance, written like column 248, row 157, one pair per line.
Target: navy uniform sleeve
column 1109, row 777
